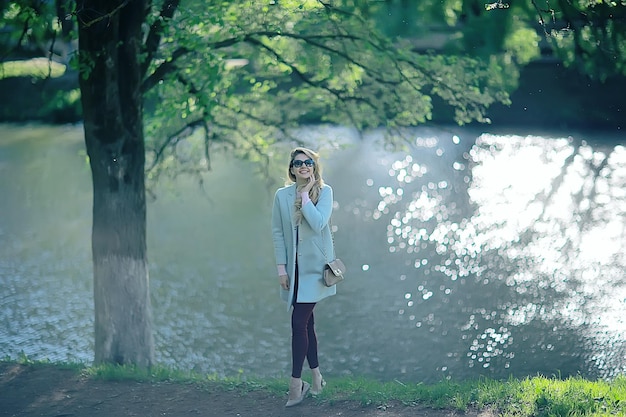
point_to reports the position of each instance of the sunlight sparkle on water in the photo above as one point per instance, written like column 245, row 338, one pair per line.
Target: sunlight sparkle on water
column 548, row 193
column 552, row 209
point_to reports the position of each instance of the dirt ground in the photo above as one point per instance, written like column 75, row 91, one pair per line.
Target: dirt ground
column 29, row 391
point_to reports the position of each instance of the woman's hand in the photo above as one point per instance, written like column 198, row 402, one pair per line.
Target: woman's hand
column 284, row 282
column 309, row 184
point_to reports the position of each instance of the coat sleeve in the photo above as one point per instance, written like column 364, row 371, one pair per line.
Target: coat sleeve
column 318, row 215
column 278, row 235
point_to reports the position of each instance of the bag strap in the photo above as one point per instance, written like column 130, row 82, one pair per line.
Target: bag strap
column 332, row 239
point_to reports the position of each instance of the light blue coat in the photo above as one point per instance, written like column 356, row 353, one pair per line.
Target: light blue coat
column 315, row 244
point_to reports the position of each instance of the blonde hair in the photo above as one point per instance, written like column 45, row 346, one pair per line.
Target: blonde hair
column 314, row 194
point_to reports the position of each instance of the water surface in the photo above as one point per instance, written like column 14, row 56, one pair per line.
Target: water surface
column 470, row 254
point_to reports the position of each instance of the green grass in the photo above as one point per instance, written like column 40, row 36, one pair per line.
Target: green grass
column 36, row 68
column 529, row 397
column 537, row 396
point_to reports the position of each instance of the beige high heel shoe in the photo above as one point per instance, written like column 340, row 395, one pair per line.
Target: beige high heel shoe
column 317, row 382
column 297, row 391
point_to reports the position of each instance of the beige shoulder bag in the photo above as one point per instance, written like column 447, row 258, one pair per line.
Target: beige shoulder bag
column 334, row 270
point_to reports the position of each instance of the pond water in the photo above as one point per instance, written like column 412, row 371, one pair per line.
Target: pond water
column 472, row 253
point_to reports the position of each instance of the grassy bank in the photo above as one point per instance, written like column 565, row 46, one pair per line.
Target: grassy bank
column 536, row 396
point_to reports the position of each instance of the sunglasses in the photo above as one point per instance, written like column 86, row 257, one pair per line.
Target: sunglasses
column 298, row 163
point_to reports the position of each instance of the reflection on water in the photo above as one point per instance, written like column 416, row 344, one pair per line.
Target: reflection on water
column 470, row 254
column 525, row 245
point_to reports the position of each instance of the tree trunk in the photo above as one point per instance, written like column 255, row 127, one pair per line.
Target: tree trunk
column 110, row 46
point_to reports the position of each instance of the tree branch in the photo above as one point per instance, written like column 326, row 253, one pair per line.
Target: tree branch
column 153, row 40
column 170, row 65
column 87, row 24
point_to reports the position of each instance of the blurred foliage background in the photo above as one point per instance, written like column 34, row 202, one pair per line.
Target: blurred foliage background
column 559, row 61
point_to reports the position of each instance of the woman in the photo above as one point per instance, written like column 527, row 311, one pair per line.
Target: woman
column 302, row 245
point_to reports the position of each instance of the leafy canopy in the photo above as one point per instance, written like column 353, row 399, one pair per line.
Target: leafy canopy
column 247, row 72
column 244, row 73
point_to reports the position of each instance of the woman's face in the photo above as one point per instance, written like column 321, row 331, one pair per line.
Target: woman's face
column 302, row 167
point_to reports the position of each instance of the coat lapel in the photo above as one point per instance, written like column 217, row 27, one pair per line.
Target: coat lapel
column 290, row 201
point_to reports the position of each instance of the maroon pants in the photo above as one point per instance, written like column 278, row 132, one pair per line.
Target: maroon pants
column 303, row 338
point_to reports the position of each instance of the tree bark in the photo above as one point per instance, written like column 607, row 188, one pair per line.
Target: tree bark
column 110, row 47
